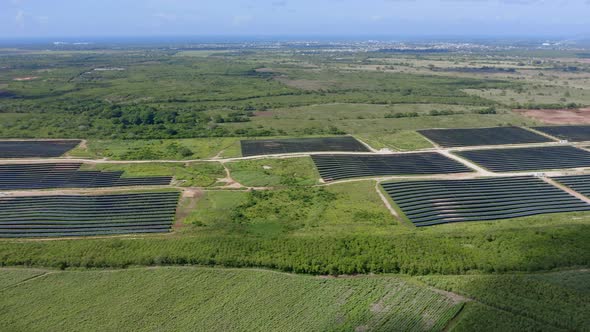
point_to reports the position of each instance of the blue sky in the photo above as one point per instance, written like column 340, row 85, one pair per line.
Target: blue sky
column 75, row 18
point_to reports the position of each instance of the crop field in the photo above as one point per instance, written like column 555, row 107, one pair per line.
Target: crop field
column 482, row 136
column 529, row 159
column 68, row 175
column 294, row 145
column 79, row 215
column 338, row 167
column 38, row 149
column 579, row 183
column 569, row 133
column 544, row 302
column 427, row 203
column 205, row 299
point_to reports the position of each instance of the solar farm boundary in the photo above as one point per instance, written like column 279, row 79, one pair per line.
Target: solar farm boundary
column 372, row 149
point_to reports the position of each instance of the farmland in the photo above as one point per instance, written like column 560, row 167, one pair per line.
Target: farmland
column 284, row 189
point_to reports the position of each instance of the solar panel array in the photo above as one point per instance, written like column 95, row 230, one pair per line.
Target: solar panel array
column 36, row 149
column 301, row 145
column 67, row 175
column 77, row 215
column 570, row 133
column 336, row 167
column 427, row 203
column 529, row 159
column 482, row 136
column 579, row 183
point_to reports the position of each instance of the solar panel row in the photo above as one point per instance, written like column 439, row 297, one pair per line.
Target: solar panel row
column 36, row 149
column 336, row 167
column 67, row 175
column 529, row 159
column 428, row 203
column 483, row 136
column 78, row 215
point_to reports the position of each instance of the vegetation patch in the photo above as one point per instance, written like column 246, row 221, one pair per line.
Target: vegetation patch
column 274, row 172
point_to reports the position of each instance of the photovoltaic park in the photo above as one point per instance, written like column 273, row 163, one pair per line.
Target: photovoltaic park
column 483, row 136
column 579, row 183
column 36, row 149
column 68, row 175
column 569, row 133
column 529, row 159
column 299, row 145
column 427, row 203
column 336, row 167
column 86, row 215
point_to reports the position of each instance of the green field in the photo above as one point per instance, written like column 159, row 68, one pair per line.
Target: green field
column 274, row 172
column 181, row 149
column 189, row 298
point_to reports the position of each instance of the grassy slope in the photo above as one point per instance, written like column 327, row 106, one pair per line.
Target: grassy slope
column 182, row 299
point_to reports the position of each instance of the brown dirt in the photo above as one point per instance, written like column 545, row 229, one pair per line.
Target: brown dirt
column 265, row 70
column 27, row 78
column 559, row 116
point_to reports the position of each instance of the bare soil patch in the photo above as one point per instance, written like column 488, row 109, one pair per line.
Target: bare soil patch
column 26, row 78
column 558, row 116
column 265, row 70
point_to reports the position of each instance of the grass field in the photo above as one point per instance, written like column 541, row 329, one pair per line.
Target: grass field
column 219, row 299
column 194, row 148
column 274, row 172
column 196, row 298
column 547, row 299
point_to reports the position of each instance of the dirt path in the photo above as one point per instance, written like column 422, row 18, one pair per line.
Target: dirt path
column 386, row 201
column 567, row 189
column 479, row 170
column 192, row 196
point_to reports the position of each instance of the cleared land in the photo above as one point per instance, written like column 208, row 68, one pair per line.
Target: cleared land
column 68, row 175
column 36, row 149
column 337, row 167
column 529, row 159
column 482, row 136
column 559, row 116
column 294, row 145
column 427, row 203
column 78, row 215
column 570, row 133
